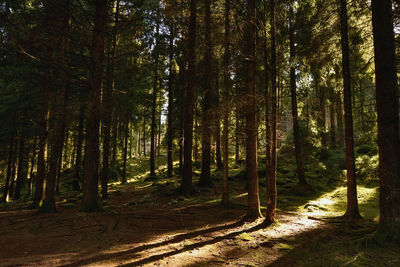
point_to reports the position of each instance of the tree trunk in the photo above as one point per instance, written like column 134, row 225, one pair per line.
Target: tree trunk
column 32, row 165
column 90, row 186
column 154, row 100
column 48, row 25
column 226, row 103
column 271, row 183
column 22, row 161
column 144, row 137
column 186, row 185
column 205, row 178
column 78, row 160
column 387, row 98
column 217, row 115
column 107, row 106
column 253, row 209
column 57, row 136
column 293, row 95
column 332, row 116
column 9, row 170
column 267, row 96
column 339, row 119
column 170, row 130
column 125, row 156
column 352, row 204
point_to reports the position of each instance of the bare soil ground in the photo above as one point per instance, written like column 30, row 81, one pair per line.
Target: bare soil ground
column 146, row 225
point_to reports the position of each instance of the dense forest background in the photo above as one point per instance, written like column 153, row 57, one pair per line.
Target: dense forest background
column 286, row 100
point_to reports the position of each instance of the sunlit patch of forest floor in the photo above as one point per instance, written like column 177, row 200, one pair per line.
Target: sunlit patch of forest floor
column 146, row 222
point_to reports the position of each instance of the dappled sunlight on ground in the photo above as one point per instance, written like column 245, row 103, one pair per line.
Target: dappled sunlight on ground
column 334, row 203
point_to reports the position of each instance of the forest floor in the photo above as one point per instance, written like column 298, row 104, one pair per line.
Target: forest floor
column 147, row 223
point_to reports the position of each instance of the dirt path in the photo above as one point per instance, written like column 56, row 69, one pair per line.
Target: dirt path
column 144, row 226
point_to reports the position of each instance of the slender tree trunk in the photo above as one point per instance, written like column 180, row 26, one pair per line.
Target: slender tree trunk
column 9, row 170
column 271, row 183
column 293, row 94
column 339, row 119
column 170, row 130
column 267, row 95
column 186, row 185
column 138, row 146
column 217, row 115
column 108, row 106
column 90, row 186
column 22, row 163
column 154, row 99
column 253, row 209
column 352, row 204
column 332, row 116
column 13, row 171
column 237, row 136
column 387, row 99
column 32, row 165
column 144, row 137
column 48, row 25
column 78, row 159
column 226, row 103
column 205, row 178
column 125, row 156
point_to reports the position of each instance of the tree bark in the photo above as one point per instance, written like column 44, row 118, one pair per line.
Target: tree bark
column 125, row 156
column 170, row 130
column 186, row 185
column 387, row 99
column 78, row 159
column 108, row 106
column 293, row 95
column 352, row 203
column 154, row 99
column 9, row 170
column 205, row 178
column 253, row 209
column 271, row 183
column 226, row 104
column 216, row 111
column 91, row 200
column 48, row 25
column 57, row 136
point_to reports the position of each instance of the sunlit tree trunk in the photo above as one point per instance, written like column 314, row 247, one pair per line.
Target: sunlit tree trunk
column 217, row 116
column 352, row 203
column 253, row 209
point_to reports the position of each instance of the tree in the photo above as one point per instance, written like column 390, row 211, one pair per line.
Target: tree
column 205, row 178
column 226, row 103
column 90, row 186
column 387, row 101
column 352, row 203
column 154, row 96
column 271, row 178
column 253, row 208
column 107, row 105
column 170, row 130
column 293, row 95
column 186, row 186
